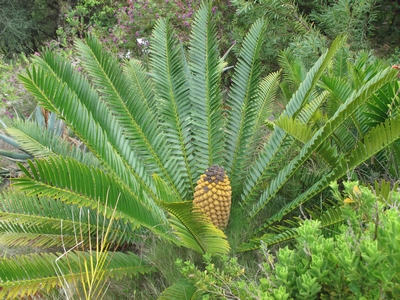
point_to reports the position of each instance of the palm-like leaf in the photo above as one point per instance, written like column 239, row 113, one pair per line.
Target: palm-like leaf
column 45, row 222
column 344, row 112
column 293, row 69
column 376, row 140
column 41, row 142
column 81, row 185
column 205, row 93
column 260, row 169
column 172, row 92
column 194, row 230
column 267, row 93
column 51, row 92
column 28, row 274
column 331, row 216
column 130, row 108
column 181, row 290
column 243, row 102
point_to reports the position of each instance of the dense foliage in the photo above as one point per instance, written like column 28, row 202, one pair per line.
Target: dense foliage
column 110, row 158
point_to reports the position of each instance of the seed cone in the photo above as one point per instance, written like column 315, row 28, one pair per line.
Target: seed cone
column 212, row 196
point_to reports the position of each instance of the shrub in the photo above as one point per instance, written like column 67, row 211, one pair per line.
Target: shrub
column 354, row 18
column 25, row 25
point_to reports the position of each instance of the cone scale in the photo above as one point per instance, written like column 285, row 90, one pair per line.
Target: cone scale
column 213, row 195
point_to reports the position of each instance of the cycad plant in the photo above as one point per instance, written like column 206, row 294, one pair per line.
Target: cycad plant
column 151, row 134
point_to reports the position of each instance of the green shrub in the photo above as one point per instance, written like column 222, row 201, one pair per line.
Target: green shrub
column 25, row 25
column 76, row 21
column 124, row 27
column 354, row 18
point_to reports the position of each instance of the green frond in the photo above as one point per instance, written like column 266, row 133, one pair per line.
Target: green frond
column 28, row 274
column 45, row 222
column 243, row 102
column 12, row 238
column 142, row 85
column 292, row 69
column 377, row 139
column 78, row 184
column 322, row 135
column 260, row 169
column 385, row 103
column 41, row 142
column 300, row 131
column 268, row 89
column 180, row 290
column 130, row 108
column 169, row 73
column 339, row 90
column 10, row 141
column 311, row 108
column 193, row 229
column 205, row 92
column 303, row 133
column 267, row 92
column 306, row 88
column 332, row 216
column 340, row 63
column 283, row 236
column 51, row 92
column 345, row 136
column 63, row 71
column 85, row 110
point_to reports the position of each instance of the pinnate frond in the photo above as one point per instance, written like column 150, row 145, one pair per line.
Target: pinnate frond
column 205, row 91
column 180, row 290
column 260, row 169
column 322, row 135
column 243, row 101
column 46, row 222
column 28, row 274
column 78, row 184
column 194, row 229
column 171, row 84
column 376, row 140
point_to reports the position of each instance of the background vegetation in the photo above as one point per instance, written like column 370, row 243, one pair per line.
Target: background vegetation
column 323, row 126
